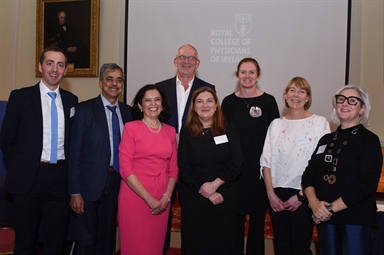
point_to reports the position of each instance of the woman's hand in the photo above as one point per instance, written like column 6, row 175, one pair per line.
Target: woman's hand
column 276, row 204
column 320, row 212
column 164, row 201
column 155, row 205
column 292, row 204
column 207, row 189
column 216, row 198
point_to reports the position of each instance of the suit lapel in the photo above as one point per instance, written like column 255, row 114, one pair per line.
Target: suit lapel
column 36, row 97
column 173, row 98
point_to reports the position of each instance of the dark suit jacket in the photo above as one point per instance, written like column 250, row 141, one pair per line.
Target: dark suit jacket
column 169, row 88
column 21, row 137
column 90, row 151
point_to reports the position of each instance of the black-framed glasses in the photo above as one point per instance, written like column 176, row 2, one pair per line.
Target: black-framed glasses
column 340, row 99
column 190, row 58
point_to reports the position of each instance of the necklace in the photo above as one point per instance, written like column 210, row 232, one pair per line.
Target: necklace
column 247, row 103
column 332, row 157
column 205, row 130
column 153, row 130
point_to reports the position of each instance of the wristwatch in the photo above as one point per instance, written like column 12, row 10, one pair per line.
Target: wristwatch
column 301, row 198
column 330, row 208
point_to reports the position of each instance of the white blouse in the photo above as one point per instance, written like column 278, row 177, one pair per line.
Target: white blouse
column 288, row 146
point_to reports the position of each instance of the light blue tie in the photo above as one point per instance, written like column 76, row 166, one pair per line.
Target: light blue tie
column 54, row 128
column 116, row 137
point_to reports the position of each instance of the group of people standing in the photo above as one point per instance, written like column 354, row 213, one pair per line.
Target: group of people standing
column 225, row 161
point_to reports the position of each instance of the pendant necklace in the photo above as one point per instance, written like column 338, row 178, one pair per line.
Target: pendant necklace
column 247, row 103
column 254, row 111
column 153, row 130
column 332, row 157
column 205, row 130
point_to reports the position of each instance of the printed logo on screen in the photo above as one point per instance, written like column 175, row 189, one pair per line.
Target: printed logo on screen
column 230, row 44
column 243, row 23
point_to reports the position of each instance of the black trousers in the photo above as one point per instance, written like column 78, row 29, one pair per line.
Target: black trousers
column 45, row 205
column 292, row 230
column 96, row 227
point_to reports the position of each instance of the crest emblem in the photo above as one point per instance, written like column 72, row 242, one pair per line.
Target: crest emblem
column 243, row 23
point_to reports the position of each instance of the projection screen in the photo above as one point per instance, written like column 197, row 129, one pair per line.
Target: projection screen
column 288, row 38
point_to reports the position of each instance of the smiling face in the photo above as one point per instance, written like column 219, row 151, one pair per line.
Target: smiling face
column 187, row 65
column 349, row 115
column 205, row 107
column 151, row 104
column 112, row 85
column 52, row 69
column 296, row 97
column 247, row 75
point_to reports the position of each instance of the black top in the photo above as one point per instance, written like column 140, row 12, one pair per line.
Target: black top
column 252, row 133
column 357, row 174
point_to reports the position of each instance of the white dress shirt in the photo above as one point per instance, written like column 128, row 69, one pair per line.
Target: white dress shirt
column 182, row 98
column 46, row 107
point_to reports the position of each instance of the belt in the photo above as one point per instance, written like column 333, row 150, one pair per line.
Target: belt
column 60, row 162
column 111, row 169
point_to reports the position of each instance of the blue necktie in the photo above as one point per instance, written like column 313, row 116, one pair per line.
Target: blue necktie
column 54, row 128
column 116, row 137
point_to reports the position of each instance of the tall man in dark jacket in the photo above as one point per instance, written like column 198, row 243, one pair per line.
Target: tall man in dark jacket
column 34, row 139
column 179, row 91
column 94, row 179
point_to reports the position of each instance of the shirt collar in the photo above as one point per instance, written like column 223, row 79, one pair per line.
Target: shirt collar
column 44, row 89
column 106, row 102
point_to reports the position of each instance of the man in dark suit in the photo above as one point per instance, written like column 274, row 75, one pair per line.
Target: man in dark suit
column 94, row 180
column 180, row 88
column 179, row 91
column 34, row 139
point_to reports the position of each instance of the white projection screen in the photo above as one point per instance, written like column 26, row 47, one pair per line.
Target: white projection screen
column 288, row 38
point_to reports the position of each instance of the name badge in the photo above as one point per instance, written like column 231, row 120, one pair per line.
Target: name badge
column 321, row 149
column 220, row 139
column 302, row 140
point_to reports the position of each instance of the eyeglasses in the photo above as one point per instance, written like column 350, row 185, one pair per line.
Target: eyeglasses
column 190, row 58
column 351, row 100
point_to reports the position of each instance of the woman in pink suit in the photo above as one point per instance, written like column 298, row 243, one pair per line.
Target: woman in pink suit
column 148, row 167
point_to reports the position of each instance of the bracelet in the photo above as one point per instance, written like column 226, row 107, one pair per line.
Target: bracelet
column 168, row 198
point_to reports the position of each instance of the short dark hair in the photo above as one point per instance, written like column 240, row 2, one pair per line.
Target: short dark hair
column 52, row 48
column 110, row 66
column 137, row 114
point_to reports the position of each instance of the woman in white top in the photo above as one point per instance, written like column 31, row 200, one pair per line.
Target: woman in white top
column 288, row 146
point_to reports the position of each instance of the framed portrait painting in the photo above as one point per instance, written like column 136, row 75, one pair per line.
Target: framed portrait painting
column 72, row 25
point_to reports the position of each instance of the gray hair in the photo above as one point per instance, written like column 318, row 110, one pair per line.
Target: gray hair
column 187, row 45
column 364, row 118
column 110, row 66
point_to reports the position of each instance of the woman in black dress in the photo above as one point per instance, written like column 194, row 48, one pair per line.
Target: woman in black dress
column 251, row 111
column 341, row 178
column 209, row 163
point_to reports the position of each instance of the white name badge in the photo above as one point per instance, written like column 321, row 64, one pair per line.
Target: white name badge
column 220, row 139
column 321, row 149
column 302, row 141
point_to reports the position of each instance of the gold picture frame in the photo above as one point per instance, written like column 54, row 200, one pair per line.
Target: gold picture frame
column 73, row 25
